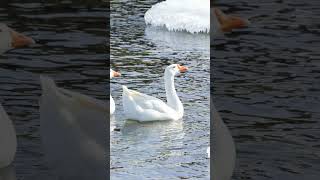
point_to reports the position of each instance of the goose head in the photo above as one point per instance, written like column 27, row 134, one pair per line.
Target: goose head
column 9, row 38
column 175, row 69
column 114, row 74
column 229, row 22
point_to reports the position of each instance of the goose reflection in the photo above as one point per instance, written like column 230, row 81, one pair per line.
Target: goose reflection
column 151, row 140
column 140, row 132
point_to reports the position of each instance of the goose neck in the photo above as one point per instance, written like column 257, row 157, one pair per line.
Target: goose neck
column 172, row 98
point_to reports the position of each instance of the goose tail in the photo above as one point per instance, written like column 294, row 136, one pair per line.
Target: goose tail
column 125, row 90
column 47, row 84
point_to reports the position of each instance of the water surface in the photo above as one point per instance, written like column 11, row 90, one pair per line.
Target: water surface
column 267, row 88
column 70, row 48
column 158, row 150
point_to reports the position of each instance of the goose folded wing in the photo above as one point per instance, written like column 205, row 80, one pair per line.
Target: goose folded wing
column 149, row 102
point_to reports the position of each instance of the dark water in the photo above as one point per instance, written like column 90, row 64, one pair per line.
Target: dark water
column 267, row 88
column 70, row 48
column 158, row 150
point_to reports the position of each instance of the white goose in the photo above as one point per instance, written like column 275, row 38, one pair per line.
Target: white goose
column 73, row 130
column 141, row 107
column 8, row 139
column 10, row 39
column 192, row 16
column 112, row 104
column 224, row 151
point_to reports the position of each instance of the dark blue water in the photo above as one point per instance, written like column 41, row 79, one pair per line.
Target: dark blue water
column 267, row 88
column 70, row 48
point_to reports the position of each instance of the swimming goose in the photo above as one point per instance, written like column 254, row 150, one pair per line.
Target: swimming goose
column 73, row 131
column 141, row 107
column 10, row 39
column 112, row 104
column 224, row 152
column 192, row 16
column 8, row 139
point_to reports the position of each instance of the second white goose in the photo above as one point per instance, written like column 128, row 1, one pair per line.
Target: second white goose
column 141, row 107
column 112, row 103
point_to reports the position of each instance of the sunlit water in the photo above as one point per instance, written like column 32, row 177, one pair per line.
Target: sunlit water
column 70, row 48
column 158, row 150
column 267, row 88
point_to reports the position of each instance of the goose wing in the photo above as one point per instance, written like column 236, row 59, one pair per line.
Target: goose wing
column 147, row 102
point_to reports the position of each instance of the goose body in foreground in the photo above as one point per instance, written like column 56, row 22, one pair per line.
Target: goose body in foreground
column 142, row 107
column 8, row 139
column 73, row 130
column 112, row 103
column 224, row 152
column 10, row 39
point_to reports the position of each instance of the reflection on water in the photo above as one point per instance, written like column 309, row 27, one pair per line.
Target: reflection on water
column 266, row 87
column 178, row 41
column 158, row 150
column 152, row 148
column 70, row 48
column 158, row 134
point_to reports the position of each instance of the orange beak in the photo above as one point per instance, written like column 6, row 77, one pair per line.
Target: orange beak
column 116, row 74
column 20, row 40
column 182, row 69
column 228, row 23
